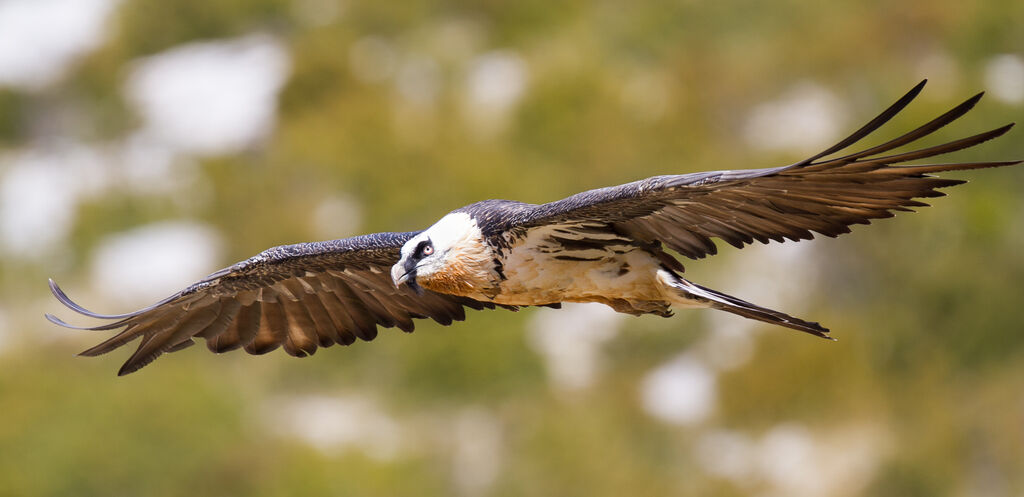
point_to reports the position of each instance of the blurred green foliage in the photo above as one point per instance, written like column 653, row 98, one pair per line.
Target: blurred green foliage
column 927, row 307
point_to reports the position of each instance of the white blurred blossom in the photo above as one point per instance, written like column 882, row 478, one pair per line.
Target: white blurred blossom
column 148, row 263
column 210, row 98
column 942, row 72
column 337, row 216
column 570, row 339
column 726, row 454
column 1004, row 78
column 39, row 39
column 476, row 458
column 798, row 462
column 337, row 423
column 805, row 119
column 495, row 83
column 726, row 347
column 40, row 190
column 792, row 460
column 783, row 456
column 682, row 391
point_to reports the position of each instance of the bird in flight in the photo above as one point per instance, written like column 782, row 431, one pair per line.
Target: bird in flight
column 609, row 245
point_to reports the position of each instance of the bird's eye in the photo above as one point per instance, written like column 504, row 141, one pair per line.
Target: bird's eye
column 424, row 249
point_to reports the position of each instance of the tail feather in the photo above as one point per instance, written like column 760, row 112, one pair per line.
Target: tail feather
column 689, row 292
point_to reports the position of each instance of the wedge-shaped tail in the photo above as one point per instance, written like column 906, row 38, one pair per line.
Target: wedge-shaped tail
column 686, row 292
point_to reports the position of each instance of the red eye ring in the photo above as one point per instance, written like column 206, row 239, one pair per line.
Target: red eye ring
column 428, row 249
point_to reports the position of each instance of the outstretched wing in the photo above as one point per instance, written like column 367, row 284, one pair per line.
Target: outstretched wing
column 684, row 212
column 300, row 297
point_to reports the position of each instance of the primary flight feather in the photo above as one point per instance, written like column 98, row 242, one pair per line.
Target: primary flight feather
column 607, row 245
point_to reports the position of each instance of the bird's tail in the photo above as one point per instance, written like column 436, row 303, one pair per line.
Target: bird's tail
column 686, row 293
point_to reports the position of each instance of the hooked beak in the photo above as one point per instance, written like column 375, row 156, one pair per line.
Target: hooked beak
column 399, row 275
column 405, row 272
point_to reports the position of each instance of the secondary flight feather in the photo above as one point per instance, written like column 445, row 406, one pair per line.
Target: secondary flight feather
column 610, row 245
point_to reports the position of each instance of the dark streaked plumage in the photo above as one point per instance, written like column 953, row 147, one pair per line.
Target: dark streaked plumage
column 606, row 245
column 298, row 296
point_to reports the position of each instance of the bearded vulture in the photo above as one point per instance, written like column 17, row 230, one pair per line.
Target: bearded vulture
column 609, row 245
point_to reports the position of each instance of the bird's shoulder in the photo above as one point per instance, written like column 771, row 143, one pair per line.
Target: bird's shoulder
column 494, row 217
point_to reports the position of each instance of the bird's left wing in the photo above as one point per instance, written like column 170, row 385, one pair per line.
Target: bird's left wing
column 685, row 212
column 300, row 297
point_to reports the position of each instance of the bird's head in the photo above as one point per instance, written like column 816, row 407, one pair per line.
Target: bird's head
column 449, row 257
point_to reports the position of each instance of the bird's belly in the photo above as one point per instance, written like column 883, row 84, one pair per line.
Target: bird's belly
column 539, row 278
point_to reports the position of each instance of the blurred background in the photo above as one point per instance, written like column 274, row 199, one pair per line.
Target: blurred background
column 145, row 143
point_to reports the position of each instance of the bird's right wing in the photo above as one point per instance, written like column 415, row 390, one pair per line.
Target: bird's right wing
column 300, row 297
